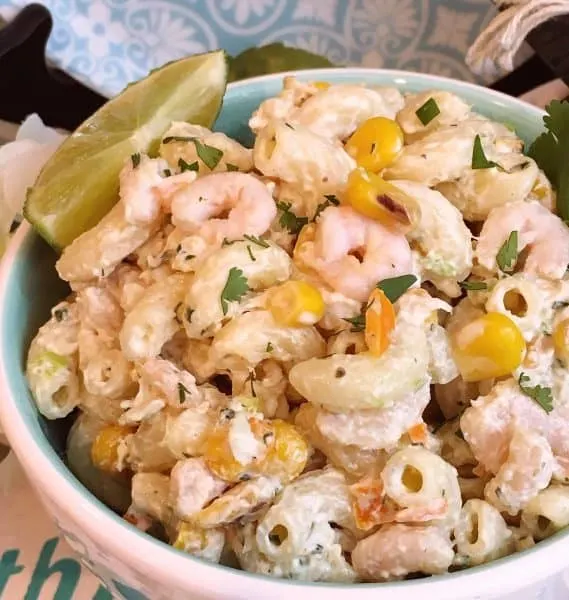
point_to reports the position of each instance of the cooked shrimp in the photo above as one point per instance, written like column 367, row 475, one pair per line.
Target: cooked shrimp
column 336, row 112
column 543, row 233
column 138, row 189
column 341, row 237
column 198, row 207
column 488, row 424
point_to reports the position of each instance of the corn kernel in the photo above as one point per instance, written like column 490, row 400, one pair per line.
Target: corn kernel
column 380, row 321
column 219, row 458
column 375, row 143
column 561, row 340
column 287, row 454
column 296, row 303
column 380, row 200
column 105, row 447
column 490, row 346
column 321, row 85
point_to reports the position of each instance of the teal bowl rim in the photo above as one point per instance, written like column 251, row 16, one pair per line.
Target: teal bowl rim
column 69, row 487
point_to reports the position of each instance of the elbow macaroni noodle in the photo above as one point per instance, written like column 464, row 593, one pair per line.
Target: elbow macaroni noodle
column 356, row 423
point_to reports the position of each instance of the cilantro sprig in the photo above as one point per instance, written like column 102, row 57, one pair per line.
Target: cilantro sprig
column 234, row 289
column 541, row 394
column 288, row 220
column 550, row 151
column 395, row 287
column 479, row 160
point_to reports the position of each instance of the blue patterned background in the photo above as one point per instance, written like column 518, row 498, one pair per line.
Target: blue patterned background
column 108, row 43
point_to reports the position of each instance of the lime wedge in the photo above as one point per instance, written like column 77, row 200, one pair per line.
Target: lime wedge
column 79, row 184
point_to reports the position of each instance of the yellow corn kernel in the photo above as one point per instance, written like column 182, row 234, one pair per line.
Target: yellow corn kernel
column 380, row 321
column 490, row 346
column 287, row 454
column 296, row 303
column 321, row 85
column 219, row 458
column 105, row 447
column 375, row 143
column 561, row 340
column 190, row 538
column 380, row 200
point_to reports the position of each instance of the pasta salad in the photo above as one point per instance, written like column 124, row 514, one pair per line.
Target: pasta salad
column 341, row 355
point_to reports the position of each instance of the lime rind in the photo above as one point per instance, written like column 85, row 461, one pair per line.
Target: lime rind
column 79, row 184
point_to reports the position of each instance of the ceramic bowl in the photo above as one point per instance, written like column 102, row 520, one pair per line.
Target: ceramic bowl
column 134, row 565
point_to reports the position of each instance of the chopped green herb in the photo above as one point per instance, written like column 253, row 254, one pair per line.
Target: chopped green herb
column 60, row 314
column 358, row 322
column 209, row 155
column 550, row 151
column 269, row 347
column 257, row 240
column 135, row 159
column 182, row 392
column 251, row 255
column 177, row 138
column 428, row 111
column 184, row 166
column 231, row 167
column 226, row 242
column 395, row 287
column 479, row 160
column 288, row 220
column 167, row 173
column 508, row 254
column 234, row 289
column 251, row 378
column 189, row 313
column 541, row 394
column 559, row 304
column 331, row 200
column 473, row 286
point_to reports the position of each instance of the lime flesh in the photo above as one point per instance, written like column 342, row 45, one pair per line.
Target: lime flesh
column 79, row 184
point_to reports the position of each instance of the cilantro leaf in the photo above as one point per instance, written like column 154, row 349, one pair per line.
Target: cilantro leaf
column 508, row 254
column 256, row 240
column 184, row 166
column 234, row 289
column 395, row 287
column 269, row 347
column 550, row 151
column 358, row 322
column 209, row 155
column 479, row 160
column 331, row 200
column 541, row 394
column 428, row 111
column 288, row 220
column 231, row 167
column 182, row 392
column 473, row 286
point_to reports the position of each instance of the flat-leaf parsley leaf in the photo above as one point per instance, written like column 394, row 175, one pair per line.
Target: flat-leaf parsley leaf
column 550, row 151
column 541, row 394
column 234, row 289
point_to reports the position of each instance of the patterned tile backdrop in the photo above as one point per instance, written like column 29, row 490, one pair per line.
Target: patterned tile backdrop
column 108, row 43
